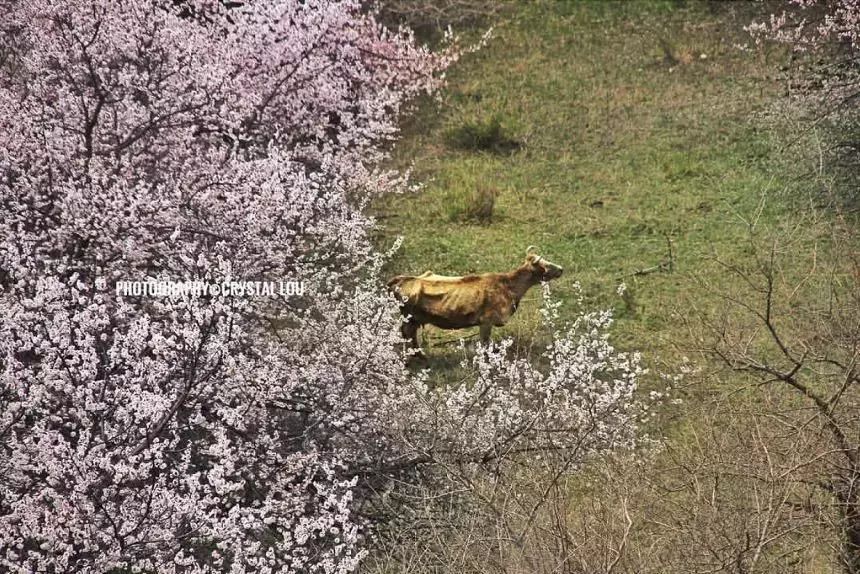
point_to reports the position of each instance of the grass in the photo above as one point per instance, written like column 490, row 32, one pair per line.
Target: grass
column 634, row 123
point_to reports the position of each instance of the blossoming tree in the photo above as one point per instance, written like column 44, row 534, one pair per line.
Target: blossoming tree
column 207, row 140
column 821, row 26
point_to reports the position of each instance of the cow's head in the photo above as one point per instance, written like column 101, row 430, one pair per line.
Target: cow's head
column 540, row 267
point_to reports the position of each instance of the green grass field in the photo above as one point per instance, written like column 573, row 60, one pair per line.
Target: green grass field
column 605, row 130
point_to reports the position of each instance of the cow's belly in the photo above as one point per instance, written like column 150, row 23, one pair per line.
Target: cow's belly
column 448, row 324
column 457, row 309
column 444, row 322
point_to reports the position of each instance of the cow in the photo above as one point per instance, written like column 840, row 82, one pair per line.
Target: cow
column 487, row 300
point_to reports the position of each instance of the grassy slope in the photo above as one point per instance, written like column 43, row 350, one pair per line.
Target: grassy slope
column 636, row 123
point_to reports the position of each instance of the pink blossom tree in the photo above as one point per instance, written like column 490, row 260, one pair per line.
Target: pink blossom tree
column 205, row 140
column 821, row 26
column 813, row 24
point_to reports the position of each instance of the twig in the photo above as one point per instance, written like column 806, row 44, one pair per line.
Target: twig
column 667, row 264
column 664, row 265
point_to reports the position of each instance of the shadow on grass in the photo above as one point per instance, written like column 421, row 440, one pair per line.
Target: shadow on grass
column 482, row 135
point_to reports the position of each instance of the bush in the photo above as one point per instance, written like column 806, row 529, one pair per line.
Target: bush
column 481, row 135
column 480, row 204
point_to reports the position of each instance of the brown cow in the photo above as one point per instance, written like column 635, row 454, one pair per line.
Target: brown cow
column 485, row 300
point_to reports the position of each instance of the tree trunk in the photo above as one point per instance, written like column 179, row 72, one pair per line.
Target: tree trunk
column 851, row 529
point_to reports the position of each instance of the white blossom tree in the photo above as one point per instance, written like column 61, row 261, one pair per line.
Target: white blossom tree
column 205, row 140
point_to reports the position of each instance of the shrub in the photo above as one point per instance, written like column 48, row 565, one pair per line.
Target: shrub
column 480, row 204
column 481, row 135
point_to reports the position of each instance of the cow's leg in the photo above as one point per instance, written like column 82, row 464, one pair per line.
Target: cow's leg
column 409, row 330
column 486, row 329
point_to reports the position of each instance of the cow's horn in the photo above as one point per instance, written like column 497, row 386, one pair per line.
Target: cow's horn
column 530, row 249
